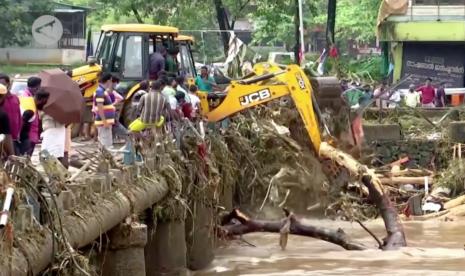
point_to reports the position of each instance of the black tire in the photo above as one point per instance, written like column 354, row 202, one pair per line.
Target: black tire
column 128, row 114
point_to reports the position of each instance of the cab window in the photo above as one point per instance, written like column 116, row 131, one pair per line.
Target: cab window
column 185, row 60
column 117, row 63
column 105, row 51
column 132, row 56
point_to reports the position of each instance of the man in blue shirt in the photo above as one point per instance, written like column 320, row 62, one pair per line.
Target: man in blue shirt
column 204, row 82
column 104, row 111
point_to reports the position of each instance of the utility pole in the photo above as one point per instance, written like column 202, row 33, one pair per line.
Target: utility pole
column 331, row 23
column 299, row 48
column 297, row 33
column 301, row 27
column 223, row 23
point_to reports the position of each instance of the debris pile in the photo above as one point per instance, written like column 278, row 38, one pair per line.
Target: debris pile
column 264, row 158
column 424, row 170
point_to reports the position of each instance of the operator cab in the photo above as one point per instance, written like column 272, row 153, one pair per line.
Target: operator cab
column 124, row 49
column 185, row 58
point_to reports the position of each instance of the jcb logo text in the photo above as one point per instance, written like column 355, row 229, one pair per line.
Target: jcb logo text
column 255, row 97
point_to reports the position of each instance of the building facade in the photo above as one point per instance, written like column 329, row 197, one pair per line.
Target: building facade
column 68, row 49
column 427, row 41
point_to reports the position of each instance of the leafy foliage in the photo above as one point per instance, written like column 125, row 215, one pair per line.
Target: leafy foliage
column 367, row 70
column 356, row 20
column 17, row 19
column 274, row 20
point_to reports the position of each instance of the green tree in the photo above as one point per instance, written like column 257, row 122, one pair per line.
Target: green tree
column 274, row 20
column 17, row 19
column 355, row 20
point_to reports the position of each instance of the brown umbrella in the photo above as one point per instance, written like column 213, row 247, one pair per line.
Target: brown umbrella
column 65, row 103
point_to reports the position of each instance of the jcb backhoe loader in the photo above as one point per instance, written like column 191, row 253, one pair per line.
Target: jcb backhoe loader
column 124, row 51
column 262, row 88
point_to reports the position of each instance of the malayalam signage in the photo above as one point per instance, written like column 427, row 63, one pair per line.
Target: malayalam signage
column 440, row 62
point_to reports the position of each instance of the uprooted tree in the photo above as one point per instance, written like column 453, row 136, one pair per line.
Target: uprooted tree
column 236, row 223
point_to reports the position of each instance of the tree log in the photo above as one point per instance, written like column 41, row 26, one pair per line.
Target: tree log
column 401, row 180
column 395, row 233
column 455, row 202
column 405, row 172
column 87, row 222
column 291, row 224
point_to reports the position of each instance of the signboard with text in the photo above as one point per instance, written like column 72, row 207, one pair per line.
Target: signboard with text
column 440, row 62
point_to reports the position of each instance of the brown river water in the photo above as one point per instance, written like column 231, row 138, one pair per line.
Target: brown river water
column 435, row 248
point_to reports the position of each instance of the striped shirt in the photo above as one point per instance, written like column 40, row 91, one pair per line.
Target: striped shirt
column 102, row 97
column 152, row 106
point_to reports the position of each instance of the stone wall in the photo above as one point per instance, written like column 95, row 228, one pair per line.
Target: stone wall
column 422, row 153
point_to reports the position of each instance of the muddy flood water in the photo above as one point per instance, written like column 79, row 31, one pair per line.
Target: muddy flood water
column 435, row 248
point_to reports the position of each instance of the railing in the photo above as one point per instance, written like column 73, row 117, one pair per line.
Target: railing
column 437, row 9
column 66, row 42
column 72, row 43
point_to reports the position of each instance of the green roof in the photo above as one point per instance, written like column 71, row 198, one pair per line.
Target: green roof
column 60, row 5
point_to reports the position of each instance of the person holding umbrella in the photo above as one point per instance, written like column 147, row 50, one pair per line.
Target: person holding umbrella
column 54, row 132
column 63, row 107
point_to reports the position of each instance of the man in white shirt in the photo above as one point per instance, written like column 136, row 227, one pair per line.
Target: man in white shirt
column 180, row 87
column 394, row 99
column 412, row 98
column 169, row 92
column 194, row 99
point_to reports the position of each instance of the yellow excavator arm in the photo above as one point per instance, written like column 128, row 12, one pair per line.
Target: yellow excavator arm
column 260, row 89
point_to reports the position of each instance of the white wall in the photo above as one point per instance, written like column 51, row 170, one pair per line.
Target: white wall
column 31, row 55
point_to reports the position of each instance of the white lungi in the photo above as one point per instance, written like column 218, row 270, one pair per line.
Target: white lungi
column 54, row 141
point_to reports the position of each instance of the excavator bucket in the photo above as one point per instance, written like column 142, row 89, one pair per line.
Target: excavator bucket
column 328, row 92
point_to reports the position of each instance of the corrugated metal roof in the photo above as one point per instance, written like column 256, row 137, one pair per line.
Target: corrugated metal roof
column 65, row 6
column 68, row 11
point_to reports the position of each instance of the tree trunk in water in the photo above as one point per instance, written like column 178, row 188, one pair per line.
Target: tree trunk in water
column 289, row 225
column 292, row 225
column 395, row 233
column 223, row 23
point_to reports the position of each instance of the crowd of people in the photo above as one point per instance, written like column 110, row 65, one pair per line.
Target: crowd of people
column 23, row 122
column 161, row 102
column 426, row 96
column 164, row 98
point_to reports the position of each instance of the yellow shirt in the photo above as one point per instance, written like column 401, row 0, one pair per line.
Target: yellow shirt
column 412, row 99
column 27, row 103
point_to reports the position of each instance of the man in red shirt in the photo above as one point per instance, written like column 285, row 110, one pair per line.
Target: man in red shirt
column 10, row 105
column 427, row 94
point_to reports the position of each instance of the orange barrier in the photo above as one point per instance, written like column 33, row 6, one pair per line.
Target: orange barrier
column 457, row 99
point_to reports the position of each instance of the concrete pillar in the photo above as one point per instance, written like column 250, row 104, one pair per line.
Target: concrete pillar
column 456, row 131
column 126, row 251
column 117, row 177
column 23, row 219
column 68, row 199
column 100, row 183
column 200, row 237
column 382, row 132
column 166, row 252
